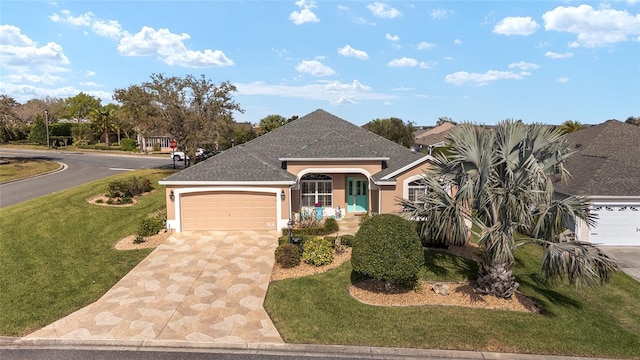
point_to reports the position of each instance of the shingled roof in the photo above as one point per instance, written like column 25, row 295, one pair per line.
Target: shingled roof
column 606, row 161
column 318, row 135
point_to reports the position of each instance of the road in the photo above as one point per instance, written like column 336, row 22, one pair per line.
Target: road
column 80, row 168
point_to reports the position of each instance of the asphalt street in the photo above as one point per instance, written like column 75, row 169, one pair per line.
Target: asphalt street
column 77, row 168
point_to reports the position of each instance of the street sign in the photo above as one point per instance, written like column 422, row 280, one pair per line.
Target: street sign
column 172, row 144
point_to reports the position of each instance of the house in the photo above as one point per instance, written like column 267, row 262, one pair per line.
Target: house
column 606, row 168
column 432, row 138
column 317, row 159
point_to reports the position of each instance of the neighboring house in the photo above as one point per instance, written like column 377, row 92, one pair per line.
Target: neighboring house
column 606, row 168
column 149, row 142
column 427, row 140
column 319, row 158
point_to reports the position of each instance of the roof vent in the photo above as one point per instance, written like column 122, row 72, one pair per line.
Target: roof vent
column 283, row 165
column 577, row 145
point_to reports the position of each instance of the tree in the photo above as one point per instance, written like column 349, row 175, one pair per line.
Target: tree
column 271, row 122
column 104, row 119
column 393, row 129
column 238, row 132
column 138, row 111
column 79, row 106
column 445, row 119
column 633, row 120
column 503, row 182
column 570, row 126
column 194, row 111
column 10, row 123
column 38, row 132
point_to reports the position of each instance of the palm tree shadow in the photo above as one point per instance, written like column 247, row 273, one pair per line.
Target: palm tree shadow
column 546, row 295
column 435, row 260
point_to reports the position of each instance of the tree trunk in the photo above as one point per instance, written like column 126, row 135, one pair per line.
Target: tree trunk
column 497, row 280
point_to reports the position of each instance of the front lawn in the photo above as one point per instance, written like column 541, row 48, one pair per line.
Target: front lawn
column 602, row 321
column 57, row 254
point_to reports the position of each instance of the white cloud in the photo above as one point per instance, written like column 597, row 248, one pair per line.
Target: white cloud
column 351, row 52
column 91, row 83
column 403, row 88
column 387, row 103
column 345, row 100
column 109, row 29
column 392, row 37
column 457, row 42
column 410, row 62
column 425, row 45
column 362, row 21
column 331, row 91
column 305, row 15
column 170, row 48
column 516, row 26
column 562, row 80
column 555, row 55
column 21, row 57
column 66, row 17
column 90, row 73
column 524, row 65
column 383, row 10
column 593, row 27
column 440, row 13
column 24, row 92
column 315, row 68
column 463, row 77
column 45, row 79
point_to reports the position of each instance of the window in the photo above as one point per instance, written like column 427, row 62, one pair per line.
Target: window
column 316, row 188
column 416, row 189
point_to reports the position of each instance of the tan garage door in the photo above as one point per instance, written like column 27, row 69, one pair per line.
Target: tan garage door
column 228, row 211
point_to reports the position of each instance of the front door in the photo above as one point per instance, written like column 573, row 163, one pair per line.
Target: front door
column 357, row 195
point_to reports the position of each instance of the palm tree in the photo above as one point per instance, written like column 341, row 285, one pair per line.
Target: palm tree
column 570, row 126
column 104, row 121
column 503, row 185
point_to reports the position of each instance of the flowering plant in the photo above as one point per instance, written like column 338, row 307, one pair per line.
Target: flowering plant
column 317, row 204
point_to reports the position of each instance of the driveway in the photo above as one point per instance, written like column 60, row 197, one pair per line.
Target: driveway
column 628, row 258
column 195, row 287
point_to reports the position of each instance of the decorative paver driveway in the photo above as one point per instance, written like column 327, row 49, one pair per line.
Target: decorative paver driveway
column 207, row 286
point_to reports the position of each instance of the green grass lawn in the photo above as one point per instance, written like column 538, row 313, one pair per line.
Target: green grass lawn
column 602, row 321
column 57, row 254
column 19, row 168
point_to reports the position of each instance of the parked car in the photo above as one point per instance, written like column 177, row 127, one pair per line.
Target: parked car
column 179, row 155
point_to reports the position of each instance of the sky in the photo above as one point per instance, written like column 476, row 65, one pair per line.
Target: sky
column 471, row 61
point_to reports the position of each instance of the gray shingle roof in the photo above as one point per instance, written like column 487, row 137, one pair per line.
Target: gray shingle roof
column 313, row 136
column 606, row 162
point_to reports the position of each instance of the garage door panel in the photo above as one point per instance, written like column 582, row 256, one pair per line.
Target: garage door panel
column 228, row 211
column 616, row 225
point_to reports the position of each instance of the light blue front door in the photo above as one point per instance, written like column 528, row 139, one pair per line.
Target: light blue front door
column 357, row 195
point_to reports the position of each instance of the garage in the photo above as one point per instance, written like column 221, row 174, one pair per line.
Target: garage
column 229, row 210
column 617, row 224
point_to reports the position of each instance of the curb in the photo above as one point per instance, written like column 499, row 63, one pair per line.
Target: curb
column 299, row 350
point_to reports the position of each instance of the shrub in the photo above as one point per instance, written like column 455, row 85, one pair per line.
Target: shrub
column 317, row 251
column 387, row 247
column 331, row 226
column 347, row 240
column 152, row 223
column 130, row 187
column 138, row 240
column 156, row 147
column 129, row 144
column 288, row 255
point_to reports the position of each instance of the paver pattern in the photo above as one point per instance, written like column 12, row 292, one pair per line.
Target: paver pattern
column 197, row 286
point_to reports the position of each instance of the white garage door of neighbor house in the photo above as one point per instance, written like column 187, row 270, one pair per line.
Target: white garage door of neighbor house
column 228, row 211
column 616, row 225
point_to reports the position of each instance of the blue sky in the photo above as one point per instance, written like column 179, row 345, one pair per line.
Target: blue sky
column 478, row 61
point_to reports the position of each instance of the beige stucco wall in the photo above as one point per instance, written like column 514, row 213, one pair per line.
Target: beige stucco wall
column 372, row 167
column 388, row 193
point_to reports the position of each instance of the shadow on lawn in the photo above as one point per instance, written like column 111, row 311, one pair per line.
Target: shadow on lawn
column 545, row 295
column 446, row 265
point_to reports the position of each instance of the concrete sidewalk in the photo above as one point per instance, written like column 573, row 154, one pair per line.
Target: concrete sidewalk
column 198, row 287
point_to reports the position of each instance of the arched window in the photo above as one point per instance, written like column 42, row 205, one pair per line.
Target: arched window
column 417, row 189
column 316, row 189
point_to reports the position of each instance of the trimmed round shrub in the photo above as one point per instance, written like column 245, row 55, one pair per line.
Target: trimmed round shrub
column 331, row 226
column 387, row 247
column 347, row 240
column 152, row 223
column 288, row 255
column 317, row 251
